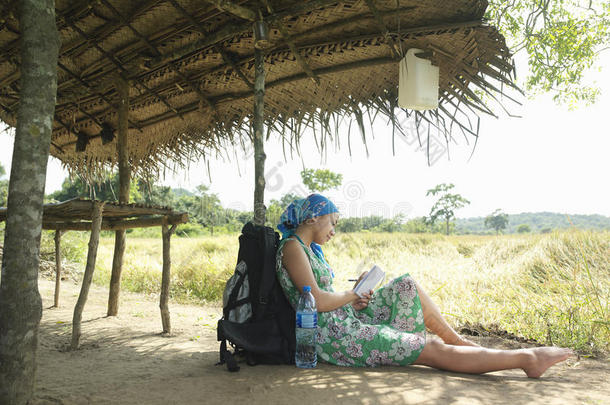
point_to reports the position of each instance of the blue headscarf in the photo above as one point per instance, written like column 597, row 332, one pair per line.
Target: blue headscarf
column 315, row 205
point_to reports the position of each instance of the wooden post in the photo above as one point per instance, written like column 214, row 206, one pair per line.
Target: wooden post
column 57, row 267
column 258, row 138
column 96, row 222
column 124, row 185
column 165, row 278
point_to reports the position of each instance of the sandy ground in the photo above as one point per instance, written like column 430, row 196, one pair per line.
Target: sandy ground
column 125, row 360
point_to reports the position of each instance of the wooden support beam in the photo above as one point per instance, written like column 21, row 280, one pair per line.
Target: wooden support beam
column 287, row 37
column 403, row 32
column 57, row 268
column 258, row 137
column 389, row 40
column 232, row 29
column 116, row 63
column 96, row 222
column 227, row 97
column 79, row 9
column 235, row 9
column 113, row 225
column 98, row 94
column 154, row 49
column 166, row 278
column 124, row 186
column 123, row 142
column 226, row 57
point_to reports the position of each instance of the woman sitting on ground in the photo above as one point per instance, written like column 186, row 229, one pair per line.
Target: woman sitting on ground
column 387, row 326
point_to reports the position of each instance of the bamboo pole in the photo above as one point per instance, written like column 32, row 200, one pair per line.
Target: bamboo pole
column 165, row 278
column 57, row 267
column 259, row 149
column 234, row 8
column 124, row 185
column 96, row 222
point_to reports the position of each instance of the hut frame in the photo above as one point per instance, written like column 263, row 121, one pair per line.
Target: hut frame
column 94, row 216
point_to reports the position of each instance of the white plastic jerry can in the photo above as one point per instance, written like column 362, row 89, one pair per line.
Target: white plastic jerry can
column 417, row 82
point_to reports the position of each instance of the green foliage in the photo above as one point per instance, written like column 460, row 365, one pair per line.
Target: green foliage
column 200, row 266
column 320, row 180
column 105, row 190
column 3, row 187
column 446, row 205
column 537, row 222
column 562, row 40
column 273, row 213
column 277, row 207
column 496, row 220
column 523, row 228
column 74, row 245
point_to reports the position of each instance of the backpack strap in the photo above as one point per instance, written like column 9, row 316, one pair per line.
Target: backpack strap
column 232, row 302
column 226, row 357
column 270, row 240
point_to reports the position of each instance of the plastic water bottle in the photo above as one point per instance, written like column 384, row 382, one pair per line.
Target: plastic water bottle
column 306, row 327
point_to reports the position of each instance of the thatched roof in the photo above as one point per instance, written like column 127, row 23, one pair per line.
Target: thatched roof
column 191, row 69
column 76, row 214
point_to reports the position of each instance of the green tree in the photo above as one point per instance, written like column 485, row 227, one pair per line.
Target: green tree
column 417, row 225
column 496, row 220
column 3, row 187
column 446, row 205
column 105, row 190
column 562, row 39
column 273, row 214
column 351, row 224
column 277, row 207
column 205, row 208
column 524, row 228
column 394, row 224
column 152, row 194
column 320, row 180
column 287, row 199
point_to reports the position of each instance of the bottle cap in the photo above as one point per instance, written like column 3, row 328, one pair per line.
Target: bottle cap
column 306, row 289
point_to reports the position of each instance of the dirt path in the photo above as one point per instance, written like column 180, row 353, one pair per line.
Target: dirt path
column 124, row 360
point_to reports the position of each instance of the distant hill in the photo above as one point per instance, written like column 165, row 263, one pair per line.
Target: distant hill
column 537, row 221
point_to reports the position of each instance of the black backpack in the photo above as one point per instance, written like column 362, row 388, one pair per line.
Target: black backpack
column 258, row 321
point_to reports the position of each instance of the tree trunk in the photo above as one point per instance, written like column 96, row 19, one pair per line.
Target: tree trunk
column 96, row 223
column 447, row 225
column 20, row 304
column 165, row 278
column 57, row 267
column 124, row 185
column 258, row 139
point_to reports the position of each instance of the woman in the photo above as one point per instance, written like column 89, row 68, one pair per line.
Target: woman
column 389, row 325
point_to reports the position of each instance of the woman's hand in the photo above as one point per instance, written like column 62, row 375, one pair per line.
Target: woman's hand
column 360, row 303
column 359, row 278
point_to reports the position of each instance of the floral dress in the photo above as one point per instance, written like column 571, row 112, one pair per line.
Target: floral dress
column 389, row 331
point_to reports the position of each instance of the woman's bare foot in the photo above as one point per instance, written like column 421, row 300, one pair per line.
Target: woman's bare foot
column 544, row 357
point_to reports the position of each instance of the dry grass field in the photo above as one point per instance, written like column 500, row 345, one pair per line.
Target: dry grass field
column 553, row 288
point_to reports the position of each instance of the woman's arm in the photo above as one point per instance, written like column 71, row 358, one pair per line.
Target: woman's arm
column 297, row 264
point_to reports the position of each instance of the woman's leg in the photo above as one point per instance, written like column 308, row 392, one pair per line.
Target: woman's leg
column 437, row 324
column 477, row 360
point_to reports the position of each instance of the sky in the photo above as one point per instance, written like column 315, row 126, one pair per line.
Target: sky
column 551, row 159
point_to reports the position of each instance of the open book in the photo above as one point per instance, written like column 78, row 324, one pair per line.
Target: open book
column 370, row 281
